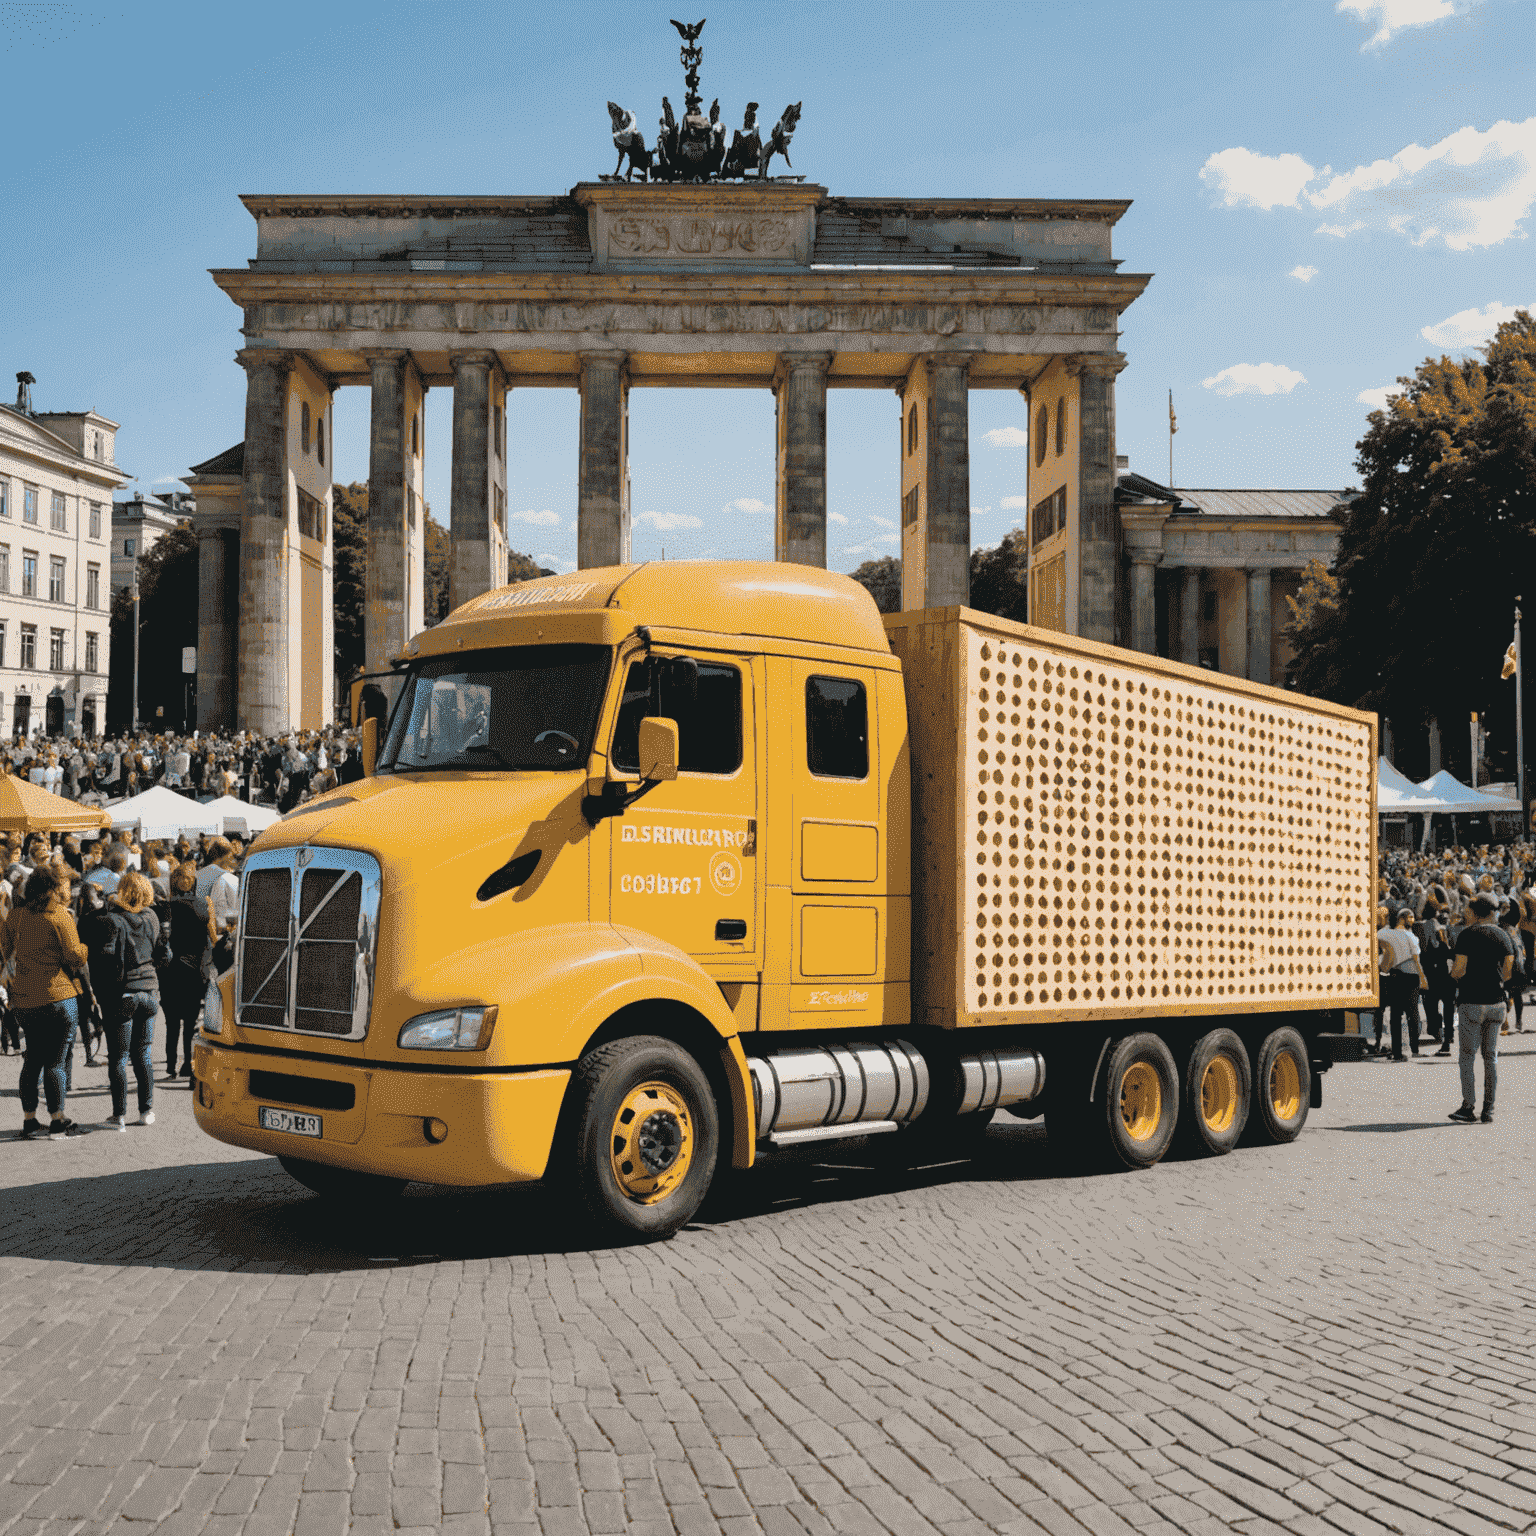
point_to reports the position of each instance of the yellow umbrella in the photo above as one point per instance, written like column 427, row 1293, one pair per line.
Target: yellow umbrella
column 28, row 807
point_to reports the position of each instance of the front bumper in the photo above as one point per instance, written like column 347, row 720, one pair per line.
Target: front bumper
column 501, row 1125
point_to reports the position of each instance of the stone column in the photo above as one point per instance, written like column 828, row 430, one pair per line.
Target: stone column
column 391, row 466
column 263, row 688
column 479, row 476
column 602, row 498
column 1099, row 540
column 936, row 480
column 800, row 513
column 1258, row 625
column 1144, row 603
column 218, row 586
column 1189, row 616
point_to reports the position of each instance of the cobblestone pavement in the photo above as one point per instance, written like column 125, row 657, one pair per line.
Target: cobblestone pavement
column 1331, row 1337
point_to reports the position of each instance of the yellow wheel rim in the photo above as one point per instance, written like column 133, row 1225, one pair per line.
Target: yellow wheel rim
column 652, row 1143
column 1219, row 1094
column 1141, row 1101
column 1285, row 1086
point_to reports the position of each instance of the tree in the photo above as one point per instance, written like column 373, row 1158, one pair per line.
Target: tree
column 1435, row 549
column 1319, row 589
column 1000, row 578
column 168, row 591
column 882, row 578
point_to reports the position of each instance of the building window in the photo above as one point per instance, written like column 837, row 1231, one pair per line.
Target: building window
column 1042, row 426
column 5, row 567
column 57, row 518
column 1061, row 427
column 415, row 436
column 56, row 579
column 96, row 451
column 29, row 647
column 128, row 547
column 55, row 650
column 5, row 498
column 91, row 653
column 501, row 509
column 1049, row 516
column 93, row 586
column 909, row 507
column 2, row 642
column 499, row 429
column 304, row 426
column 29, row 504
column 29, row 573
column 911, row 430
column 410, row 508
column 320, row 439
column 95, row 519
column 311, row 517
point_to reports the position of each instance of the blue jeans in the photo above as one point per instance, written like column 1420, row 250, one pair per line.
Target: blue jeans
column 131, row 1037
column 50, row 1032
column 1480, row 1025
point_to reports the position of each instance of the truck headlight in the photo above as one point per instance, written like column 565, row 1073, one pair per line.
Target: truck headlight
column 451, row 1029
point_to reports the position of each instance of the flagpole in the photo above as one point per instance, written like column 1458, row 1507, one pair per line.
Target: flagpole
column 1173, row 427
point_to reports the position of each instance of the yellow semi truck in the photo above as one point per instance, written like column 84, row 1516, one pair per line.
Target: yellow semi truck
column 658, row 869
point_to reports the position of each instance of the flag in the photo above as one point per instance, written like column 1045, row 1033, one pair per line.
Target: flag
column 1509, row 661
column 1173, row 421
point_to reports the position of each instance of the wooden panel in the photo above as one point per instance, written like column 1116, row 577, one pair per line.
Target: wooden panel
column 1132, row 837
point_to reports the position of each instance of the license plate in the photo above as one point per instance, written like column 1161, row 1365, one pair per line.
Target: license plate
column 287, row 1120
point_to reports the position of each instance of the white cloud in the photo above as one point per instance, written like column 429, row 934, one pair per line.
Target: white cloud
column 1006, row 437
column 1394, row 15
column 557, row 563
column 667, row 522
column 872, row 547
column 1302, row 274
column 1471, row 327
column 1377, row 398
column 746, row 504
column 1471, row 189
column 1245, row 179
column 168, row 480
column 1014, row 503
column 836, row 517
column 882, row 522
column 1254, row 379
column 544, row 519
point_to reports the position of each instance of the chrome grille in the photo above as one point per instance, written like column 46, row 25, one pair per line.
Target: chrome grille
column 308, row 930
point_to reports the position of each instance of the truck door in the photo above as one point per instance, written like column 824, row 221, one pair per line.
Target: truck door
column 838, row 879
column 684, row 863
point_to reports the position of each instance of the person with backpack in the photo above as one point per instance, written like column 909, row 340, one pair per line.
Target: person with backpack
column 182, row 981
column 1435, row 955
column 131, row 943
column 1514, row 988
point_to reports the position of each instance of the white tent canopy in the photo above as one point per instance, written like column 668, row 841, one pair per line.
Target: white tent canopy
column 239, row 817
column 161, row 813
column 1461, row 800
column 1398, row 795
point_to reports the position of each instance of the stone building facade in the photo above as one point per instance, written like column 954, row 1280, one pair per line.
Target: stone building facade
column 138, row 524
column 57, row 478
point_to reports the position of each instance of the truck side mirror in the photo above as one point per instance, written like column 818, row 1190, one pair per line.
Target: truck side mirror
column 658, row 749
column 370, row 745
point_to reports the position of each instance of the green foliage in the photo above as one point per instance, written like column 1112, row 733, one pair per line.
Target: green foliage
column 1000, row 578
column 168, row 582
column 1435, row 549
column 1319, row 589
column 883, row 580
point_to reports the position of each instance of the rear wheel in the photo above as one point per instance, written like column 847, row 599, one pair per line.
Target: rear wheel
column 1218, row 1092
column 1283, row 1085
column 347, row 1184
column 646, row 1135
column 1141, row 1099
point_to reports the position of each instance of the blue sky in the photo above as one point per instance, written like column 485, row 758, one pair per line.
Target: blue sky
column 1325, row 194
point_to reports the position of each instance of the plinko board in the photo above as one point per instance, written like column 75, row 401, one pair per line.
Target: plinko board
column 1102, row 834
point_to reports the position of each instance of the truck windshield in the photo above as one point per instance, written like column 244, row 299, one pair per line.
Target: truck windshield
column 527, row 706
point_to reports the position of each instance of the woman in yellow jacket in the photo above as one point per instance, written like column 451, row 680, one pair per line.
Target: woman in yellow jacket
column 47, row 991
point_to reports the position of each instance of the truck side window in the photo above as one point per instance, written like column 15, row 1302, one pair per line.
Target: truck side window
column 836, row 728
column 709, row 730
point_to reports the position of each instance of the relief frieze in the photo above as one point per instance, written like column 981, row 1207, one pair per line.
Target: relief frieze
column 631, row 235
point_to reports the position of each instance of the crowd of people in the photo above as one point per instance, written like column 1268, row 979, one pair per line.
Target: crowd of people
column 1457, row 929
column 280, row 771
column 99, row 939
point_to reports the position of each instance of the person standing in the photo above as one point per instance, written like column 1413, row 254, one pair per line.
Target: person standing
column 1440, row 1000
column 182, row 982
column 1483, row 964
column 216, row 881
column 131, row 1024
column 1401, row 978
column 40, row 940
column 1514, row 989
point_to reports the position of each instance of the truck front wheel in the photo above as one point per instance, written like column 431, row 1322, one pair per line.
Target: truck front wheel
column 1217, row 1093
column 1141, row 1099
column 646, row 1135
column 1283, row 1084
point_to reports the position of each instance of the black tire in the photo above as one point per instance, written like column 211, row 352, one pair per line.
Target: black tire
column 343, row 1184
column 1140, row 1102
column 637, row 1109
column 1282, row 1085
column 1218, row 1093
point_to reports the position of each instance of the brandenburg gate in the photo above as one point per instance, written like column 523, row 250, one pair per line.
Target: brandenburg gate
column 765, row 283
